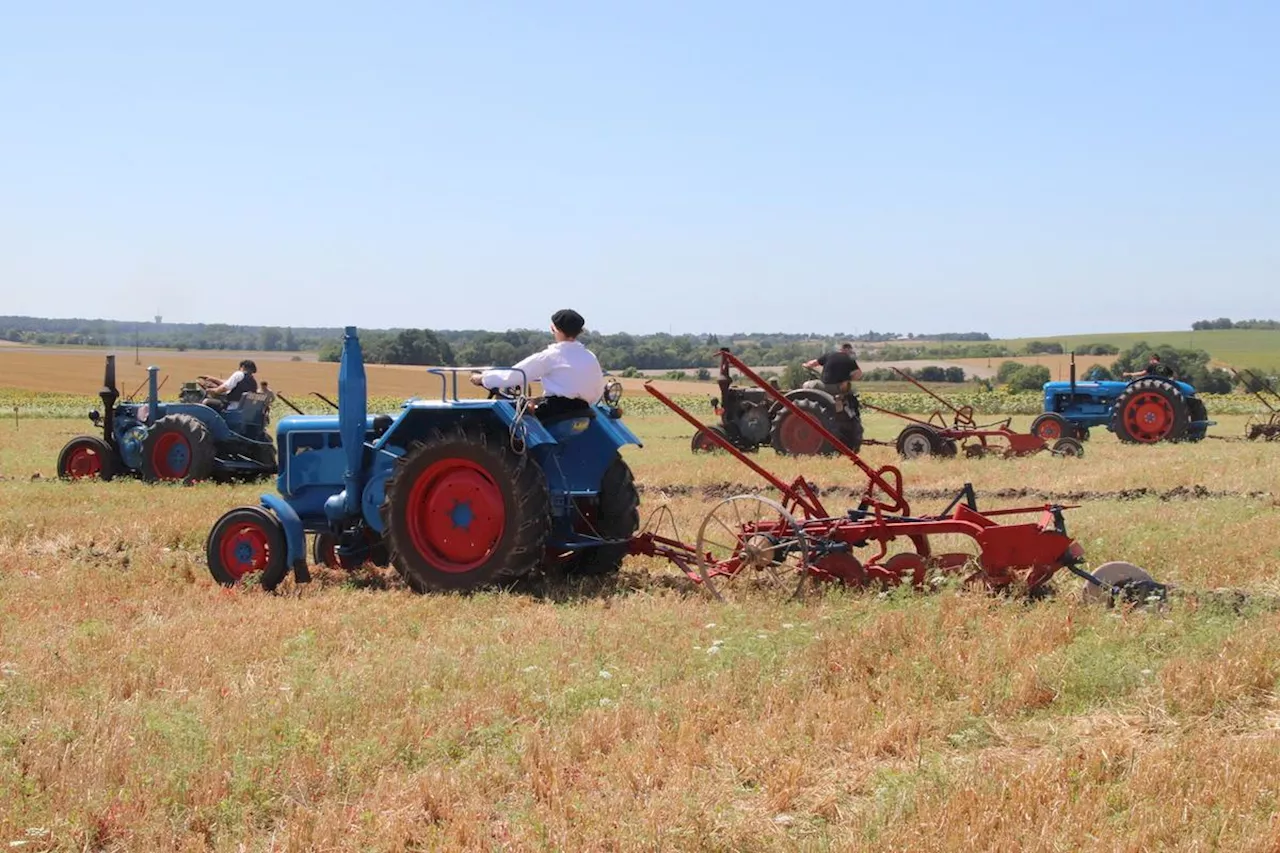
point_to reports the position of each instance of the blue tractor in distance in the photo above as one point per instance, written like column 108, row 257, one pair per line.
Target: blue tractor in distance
column 1145, row 410
column 457, row 494
column 183, row 441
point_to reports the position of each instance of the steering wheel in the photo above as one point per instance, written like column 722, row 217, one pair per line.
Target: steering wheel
column 504, row 393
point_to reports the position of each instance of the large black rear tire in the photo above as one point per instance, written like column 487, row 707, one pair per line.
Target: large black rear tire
column 1149, row 411
column 177, row 448
column 1196, row 411
column 792, row 436
column 464, row 511
column 617, row 516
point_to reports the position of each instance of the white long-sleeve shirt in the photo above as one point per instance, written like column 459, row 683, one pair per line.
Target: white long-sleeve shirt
column 565, row 368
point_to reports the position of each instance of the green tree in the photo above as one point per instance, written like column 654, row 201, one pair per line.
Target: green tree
column 1028, row 377
column 794, row 375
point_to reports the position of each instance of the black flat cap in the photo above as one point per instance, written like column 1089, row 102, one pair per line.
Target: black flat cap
column 568, row 321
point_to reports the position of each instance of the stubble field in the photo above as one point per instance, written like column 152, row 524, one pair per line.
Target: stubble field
column 142, row 707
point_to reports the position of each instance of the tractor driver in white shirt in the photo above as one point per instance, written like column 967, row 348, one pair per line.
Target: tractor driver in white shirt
column 570, row 374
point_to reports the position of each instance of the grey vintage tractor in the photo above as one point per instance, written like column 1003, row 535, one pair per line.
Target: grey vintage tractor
column 750, row 418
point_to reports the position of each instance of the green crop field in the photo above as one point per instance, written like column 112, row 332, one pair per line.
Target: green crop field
column 1240, row 348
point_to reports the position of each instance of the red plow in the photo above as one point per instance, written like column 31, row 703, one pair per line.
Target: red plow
column 752, row 542
column 935, row 436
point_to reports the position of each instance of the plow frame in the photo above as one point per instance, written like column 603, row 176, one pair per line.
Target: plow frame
column 974, row 438
column 883, row 514
column 1265, row 428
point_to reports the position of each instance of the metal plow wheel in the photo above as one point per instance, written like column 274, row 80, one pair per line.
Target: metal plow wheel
column 1123, row 580
column 751, row 546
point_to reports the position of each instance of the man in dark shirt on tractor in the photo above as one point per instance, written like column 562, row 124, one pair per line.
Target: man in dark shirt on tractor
column 839, row 371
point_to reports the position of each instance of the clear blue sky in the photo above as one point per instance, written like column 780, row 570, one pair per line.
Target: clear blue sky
column 1017, row 168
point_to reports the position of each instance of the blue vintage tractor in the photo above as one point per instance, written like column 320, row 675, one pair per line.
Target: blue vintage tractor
column 1144, row 410
column 184, row 441
column 457, row 494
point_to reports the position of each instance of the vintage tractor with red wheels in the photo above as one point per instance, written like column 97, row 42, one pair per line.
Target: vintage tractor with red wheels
column 184, row 441
column 1145, row 410
column 456, row 494
column 750, row 418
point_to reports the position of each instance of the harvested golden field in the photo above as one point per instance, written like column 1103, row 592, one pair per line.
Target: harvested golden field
column 72, row 371
column 142, row 707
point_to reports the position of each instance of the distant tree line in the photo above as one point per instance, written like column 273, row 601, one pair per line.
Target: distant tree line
column 617, row 352
column 1226, row 323
column 180, row 336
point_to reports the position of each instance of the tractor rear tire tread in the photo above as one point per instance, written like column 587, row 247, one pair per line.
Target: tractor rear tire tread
column 527, row 509
column 617, row 517
column 815, row 409
column 1165, row 388
column 198, row 439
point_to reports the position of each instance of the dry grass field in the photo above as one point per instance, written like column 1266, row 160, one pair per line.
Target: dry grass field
column 142, row 707
column 79, row 371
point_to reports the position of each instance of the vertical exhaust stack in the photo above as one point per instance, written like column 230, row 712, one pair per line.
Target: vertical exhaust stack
column 1073, row 373
column 109, row 394
column 352, row 418
column 153, row 395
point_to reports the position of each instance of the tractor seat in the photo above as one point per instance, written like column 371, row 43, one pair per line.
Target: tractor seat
column 564, row 418
column 250, row 406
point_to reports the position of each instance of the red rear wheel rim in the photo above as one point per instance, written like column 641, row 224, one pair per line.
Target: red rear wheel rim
column 171, row 456
column 245, row 549
column 1050, row 430
column 1149, row 417
column 84, row 461
column 456, row 515
column 800, row 438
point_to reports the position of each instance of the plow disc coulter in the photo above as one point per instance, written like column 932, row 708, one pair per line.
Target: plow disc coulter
column 751, row 544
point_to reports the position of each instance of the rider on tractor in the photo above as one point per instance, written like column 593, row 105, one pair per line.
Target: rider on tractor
column 570, row 374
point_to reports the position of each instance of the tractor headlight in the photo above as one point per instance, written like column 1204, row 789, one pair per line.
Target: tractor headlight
column 613, row 393
column 94, row 416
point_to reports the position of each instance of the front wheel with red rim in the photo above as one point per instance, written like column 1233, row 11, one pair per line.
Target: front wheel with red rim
column 245, row 542
column 702, row 443
column 1050, row 427
column 86, row 457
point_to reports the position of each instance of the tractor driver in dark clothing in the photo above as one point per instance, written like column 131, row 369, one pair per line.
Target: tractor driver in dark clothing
column 222, row 393
column 1153, row 368
column 839, row 370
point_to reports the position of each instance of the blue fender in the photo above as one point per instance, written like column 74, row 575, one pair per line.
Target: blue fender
column 295, row 536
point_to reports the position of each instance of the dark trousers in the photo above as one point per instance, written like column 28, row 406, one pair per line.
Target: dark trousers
column 553, row 409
